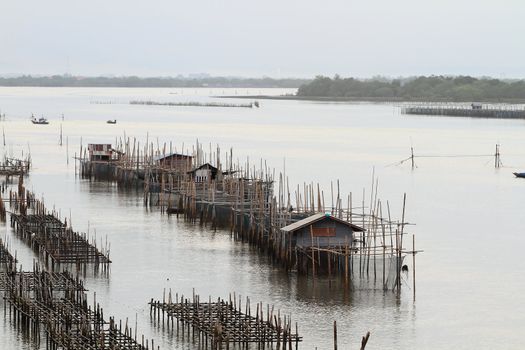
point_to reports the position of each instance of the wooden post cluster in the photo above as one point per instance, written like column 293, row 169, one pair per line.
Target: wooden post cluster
column 465, row 110
column 255, row 203
column 15, row 166
column 54, row 306
column 55, row 242
column 225, row 324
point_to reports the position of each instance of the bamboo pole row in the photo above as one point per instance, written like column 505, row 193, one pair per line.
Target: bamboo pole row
column 54, row 240
column 255, row 203
column 55, row 306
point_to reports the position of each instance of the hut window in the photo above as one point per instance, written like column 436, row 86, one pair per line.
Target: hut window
column 323, row 231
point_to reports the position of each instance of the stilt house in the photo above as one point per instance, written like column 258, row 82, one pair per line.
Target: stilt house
column 100, row 152
column 175, row 161
column 320, row 230
column 205, row 173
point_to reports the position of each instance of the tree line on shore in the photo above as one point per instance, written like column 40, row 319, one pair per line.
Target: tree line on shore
column 134, row 81
column 439, row 88
column 430, row 88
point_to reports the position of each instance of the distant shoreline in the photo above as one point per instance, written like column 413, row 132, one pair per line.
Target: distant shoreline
column 366, row 99
column 153, row 82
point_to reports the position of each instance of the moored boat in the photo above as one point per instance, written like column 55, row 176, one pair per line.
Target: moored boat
column 519, row 174
column 40, row 120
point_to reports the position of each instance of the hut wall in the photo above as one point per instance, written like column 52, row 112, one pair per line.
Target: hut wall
column 202, row 175
column 179, row 163
column 326, row 233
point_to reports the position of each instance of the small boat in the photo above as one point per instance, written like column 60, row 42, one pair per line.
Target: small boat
column 40, row 120
column 114, row 121
column 519, row 174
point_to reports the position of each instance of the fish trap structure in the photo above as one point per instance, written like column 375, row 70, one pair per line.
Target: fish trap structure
column 473, row 110
column 222, row 324
column 359, row 242
column 195, row 104
column 15, row 166
column 56, row 243
column 54, row 303
column 12, row 280
column 52, row 239
column 337, row 234
column 6, row 259
column 54, row 306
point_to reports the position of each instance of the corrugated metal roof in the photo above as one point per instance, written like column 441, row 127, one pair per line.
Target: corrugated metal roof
column 317, row 217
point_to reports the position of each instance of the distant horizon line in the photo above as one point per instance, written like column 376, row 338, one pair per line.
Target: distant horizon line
column 190, row 76
column 204, row 76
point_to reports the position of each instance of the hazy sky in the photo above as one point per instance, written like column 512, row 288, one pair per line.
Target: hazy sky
column 271, row 37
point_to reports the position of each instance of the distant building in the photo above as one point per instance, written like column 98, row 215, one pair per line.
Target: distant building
column 205, row 173
column 320, row 230
column 100, row 152
column 175, row 161
column 476, row 105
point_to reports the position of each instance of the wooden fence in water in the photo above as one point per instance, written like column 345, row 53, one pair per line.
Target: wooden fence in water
column 243, row 199
column 470, row 110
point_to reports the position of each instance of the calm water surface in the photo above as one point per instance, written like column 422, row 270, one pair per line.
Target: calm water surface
column 468, row 215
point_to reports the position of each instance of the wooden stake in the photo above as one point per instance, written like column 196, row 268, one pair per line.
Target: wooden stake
column 414, row 265
column 335, row 335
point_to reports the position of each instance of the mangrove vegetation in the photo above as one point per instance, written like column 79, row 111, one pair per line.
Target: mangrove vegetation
column 431, row 88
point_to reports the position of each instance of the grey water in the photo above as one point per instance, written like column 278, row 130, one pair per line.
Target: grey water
column 468, row 215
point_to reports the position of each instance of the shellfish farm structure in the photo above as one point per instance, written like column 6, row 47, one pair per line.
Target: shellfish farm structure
column 53, row 303
column 355, row 239
column 473, row 110
column 223, row 324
